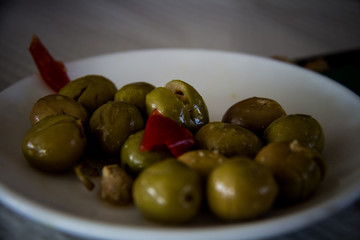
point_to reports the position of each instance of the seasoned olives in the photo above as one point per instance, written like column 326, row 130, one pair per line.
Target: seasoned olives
column 91, row 91
column 180, row 102
column 168, row 192
column 297, row 169
column 227, row 168
column 134, row 160
column 134, row 93
column 304, row 128
column 254, row 113
column 55, row 104
column 55, row 143
column 240, row 189
column 228, row 139
column 112, row 123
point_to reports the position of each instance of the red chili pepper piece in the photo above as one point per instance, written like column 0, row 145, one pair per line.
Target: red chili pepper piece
column 52, row 72
column 162, row 132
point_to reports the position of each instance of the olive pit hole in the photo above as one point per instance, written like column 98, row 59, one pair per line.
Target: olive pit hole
column 189, row 197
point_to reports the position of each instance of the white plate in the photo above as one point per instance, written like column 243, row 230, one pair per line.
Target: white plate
column 222, row 78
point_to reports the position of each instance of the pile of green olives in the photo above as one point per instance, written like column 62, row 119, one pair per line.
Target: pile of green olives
column 257, row 158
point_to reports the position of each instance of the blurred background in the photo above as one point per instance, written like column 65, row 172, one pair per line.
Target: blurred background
column 75, row 29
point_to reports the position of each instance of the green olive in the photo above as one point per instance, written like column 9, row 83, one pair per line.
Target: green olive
column 91, row 91
column 180, row 102
column 304, row 128
column 112, row 123
column 240, row 189
column 298, row 169
column 254, row 113
column 55, row 143
column 134, row 93
column 168, row 192
column 133, row 160
column 203, row 160
column 55, row 104
column 228, row 139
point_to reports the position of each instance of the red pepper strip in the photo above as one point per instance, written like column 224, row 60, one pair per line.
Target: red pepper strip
column 52, row 72
column 162, row 132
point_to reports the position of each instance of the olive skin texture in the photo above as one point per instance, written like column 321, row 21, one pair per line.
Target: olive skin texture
column 55, row 104
column 180, row 102
column 228, row 139
column 134, row 93
column 203, row 160
column 167, row 104
column 254, row 113
column 133, row 160
column 168, row 192
column 304, row 128
column 91, row 91
column 112, row 123
column 55, row 143
column 298, row 169
column 240, row 189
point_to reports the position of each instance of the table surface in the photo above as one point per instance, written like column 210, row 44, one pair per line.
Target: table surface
column 75, row 29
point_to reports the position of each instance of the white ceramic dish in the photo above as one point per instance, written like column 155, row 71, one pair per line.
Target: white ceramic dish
column 222, row 78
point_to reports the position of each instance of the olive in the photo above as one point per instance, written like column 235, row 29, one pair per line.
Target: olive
column 168, row 192
column 112, row 123
column 254, row 113
column 91, row 91
column 55, row 104
column 133, row 160
column 240, row 189
column 298, row 169
column 55, row 143
column 134, row 93
column 180, row 102
column 228, row 139
column 116, row 185
column 202, row 160
column 304, row 128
